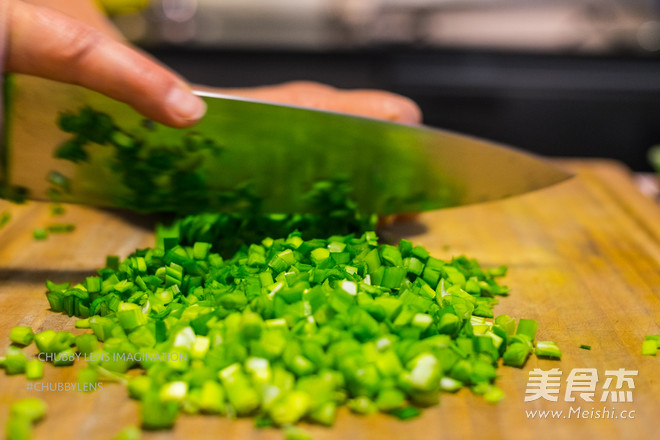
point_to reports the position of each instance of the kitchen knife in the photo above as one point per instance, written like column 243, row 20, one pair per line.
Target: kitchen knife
column 244, row 155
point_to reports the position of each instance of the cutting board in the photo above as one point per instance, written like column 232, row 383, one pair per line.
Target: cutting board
column 583, row 257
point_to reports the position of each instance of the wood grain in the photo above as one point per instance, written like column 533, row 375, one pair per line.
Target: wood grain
column 583, row 257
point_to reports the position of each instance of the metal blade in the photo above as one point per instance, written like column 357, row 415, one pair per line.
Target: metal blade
column 263, row 156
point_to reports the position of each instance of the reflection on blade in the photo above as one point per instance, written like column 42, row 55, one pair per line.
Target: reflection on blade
column 247, row 155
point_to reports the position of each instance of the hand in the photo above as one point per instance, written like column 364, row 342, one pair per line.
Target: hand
column 372, row 103
column 46, row 43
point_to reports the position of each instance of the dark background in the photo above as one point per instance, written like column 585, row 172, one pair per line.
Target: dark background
column 556, row 105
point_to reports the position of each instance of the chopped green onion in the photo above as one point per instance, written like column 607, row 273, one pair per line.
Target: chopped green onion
column 296, row 433
column 5, row 217
column 21, row 335
column 23, row 414
column 31, row 409
column 650, row 347
column 56, row 209
column 288, row 328
column 15, row 360
column 129, row 433
column 585, row 347
column 34, row 369
column 40, row 234
column 406, row 413
column 527, row 327
column 547, row 349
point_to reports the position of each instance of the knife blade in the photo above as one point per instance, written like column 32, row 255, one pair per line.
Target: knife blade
column 246, row 154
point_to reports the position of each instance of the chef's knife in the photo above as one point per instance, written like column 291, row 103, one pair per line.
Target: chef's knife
column 247, row 154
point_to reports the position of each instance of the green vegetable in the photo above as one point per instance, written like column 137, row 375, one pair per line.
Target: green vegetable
column 527, row 327
column 15, row 361
column 31, row 409
column 157, row 414
column 56, row 209
column 585, row 347
column 5, row 217
column 23, row 414
column 21, row 335
column 34, row 369
column 129, row 433
column 295, row 433
column 649, row 347
column 50, row 341
column 547, row 349
column 40, row 234
column 61, row 228
column 290, row 328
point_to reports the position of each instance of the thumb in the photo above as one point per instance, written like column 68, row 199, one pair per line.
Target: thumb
column 51, row 45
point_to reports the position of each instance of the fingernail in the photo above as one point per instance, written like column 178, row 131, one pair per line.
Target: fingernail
column 185, row 104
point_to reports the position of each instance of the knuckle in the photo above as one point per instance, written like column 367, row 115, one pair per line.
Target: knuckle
column 77, row 44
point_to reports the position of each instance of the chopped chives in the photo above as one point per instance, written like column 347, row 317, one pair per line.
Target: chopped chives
column 5, row 217
column 21, row 335
column 34, row 369
column 289, row 329
column 61, row 228
column 40, row 234
column 650, row 347
column 547, row 349
column 129, row 433
column 31, row 409
column 15, row 361
column 23, row 414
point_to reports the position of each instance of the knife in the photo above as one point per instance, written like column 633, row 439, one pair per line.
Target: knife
column 244, row 155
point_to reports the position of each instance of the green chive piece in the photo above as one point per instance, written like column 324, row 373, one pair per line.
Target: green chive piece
column 585, row 347
column 18, row 428
column 547, row 349
column 40, row 234
column 88, row 379
column 406, row 413
column 296, row 433
column 21, row 335
column 516, row 355
column 650, row 347
column 23, row 414
column 56, row 209
column 5, row 217
column 157, row 414
column 15, row 361
column 34, row 369
column 61, row 228
column 527, row 327
column 129, row 433
column 30, row 409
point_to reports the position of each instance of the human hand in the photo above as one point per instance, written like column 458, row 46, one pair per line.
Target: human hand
column 43, row 42
column 371, row 103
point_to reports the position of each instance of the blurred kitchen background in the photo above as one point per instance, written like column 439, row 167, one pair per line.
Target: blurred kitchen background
column 557, row 77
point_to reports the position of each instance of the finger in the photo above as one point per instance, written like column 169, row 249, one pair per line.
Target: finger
column 382, row 105
column 48, row 44
column 370, row 103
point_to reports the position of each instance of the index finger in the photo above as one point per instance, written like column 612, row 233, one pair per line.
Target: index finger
column 45, row 43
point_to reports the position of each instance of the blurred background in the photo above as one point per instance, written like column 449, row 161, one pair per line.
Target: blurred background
column 557, row 77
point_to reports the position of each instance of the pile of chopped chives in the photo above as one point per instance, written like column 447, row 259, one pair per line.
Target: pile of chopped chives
column 286, row 330
column 217, row 320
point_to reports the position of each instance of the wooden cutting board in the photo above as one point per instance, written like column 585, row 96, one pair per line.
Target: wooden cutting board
column 583, row 257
